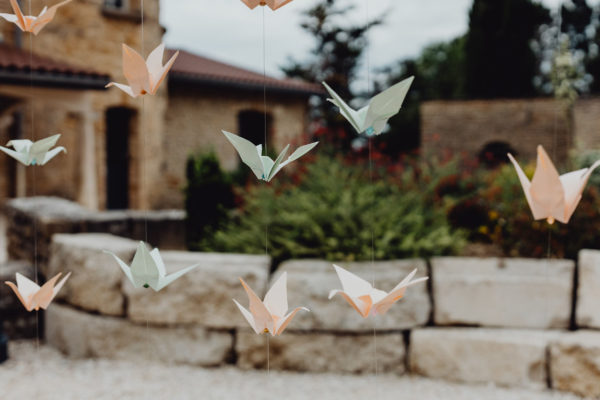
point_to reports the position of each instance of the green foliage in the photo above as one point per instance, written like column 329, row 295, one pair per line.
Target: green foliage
column 332, row 211
column 208, row 198
column 499, row 59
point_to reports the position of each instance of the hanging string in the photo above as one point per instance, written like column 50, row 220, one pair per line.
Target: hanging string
column 264, row 54
column 370, row 140
column 35, row 227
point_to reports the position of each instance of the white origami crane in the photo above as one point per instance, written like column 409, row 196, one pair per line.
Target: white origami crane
column 365, row 298
column 33, row 296
column 34, row 153
column 372, row 119
column 269, row 316
column 29, row 23
column 273, row 4
column 148, row 269
column 550, row 196
column 144, row 77
column 264, row 167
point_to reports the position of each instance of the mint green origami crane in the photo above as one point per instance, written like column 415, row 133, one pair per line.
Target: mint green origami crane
column 148, row 269
column 372, row 119
column 264, row 167
column 33, row 153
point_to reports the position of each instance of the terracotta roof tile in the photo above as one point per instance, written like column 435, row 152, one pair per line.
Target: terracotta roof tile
column 13, row 59
column 195, row 67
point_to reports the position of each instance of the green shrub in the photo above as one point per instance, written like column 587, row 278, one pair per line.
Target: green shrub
column 330, row 209
column 208, row 198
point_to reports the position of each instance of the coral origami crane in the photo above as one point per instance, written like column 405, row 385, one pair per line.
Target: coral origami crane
column 269, row 316
column 33, row 153
column 264, row 167
column 29, row 23
column 372, row 119
column 365, row 298
column 33, row 296
column 273, row 4
column 144, row 77
column 148, row 269
column 550, row 196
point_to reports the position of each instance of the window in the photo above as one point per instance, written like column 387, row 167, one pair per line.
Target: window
column 120, row 5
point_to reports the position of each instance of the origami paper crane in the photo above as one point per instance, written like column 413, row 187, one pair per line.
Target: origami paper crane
column 264, row 167
column 29, row 23
column 550, row 196
column 372, row 119
column 34, row 297
column 273, row 4
column 269, row 316
column 144, row 77
column 148, row 269
column 365, row 298
column 33, row 153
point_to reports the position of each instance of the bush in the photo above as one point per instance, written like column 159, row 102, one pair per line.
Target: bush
column 208, row 198
column 330, row 209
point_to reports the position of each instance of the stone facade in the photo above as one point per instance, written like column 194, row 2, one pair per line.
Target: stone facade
column 162, row 130
column 466, row 127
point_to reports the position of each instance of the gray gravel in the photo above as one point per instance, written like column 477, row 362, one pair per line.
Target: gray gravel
column 45, row 374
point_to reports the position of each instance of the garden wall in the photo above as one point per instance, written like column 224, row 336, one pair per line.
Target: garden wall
column 46, row 216
column 513, row 322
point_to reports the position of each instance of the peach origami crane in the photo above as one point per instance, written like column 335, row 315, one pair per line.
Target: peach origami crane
column 144, row 77
column 34, row 297
column 269, row 316
column 365, row 298
column 29, row 23
column 273, row 4
column 550, row 196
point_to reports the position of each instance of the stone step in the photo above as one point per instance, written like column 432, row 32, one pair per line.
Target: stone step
column 475, row 355
column 508, row 293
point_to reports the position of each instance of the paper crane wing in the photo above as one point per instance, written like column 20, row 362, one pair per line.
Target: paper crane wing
column 537, row 212
column 397, row 293
column 347, row 112
column 300, row 151
column 124, row 267
column 167, row 280
column 387, row 104
column 51, row 154
column 285, row 321
column 248, row 153
column 279, row 3
column 248, row 315
column 546, row 188
column 573, row 184
column 261, row 315
column 277, row 165
column 45, row 17
column 23, row 158
column 276, row 298
column 18, row 18
column 156, row 70
column 252, row 4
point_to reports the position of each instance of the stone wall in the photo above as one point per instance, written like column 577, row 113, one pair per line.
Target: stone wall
column 33, row 221
column 519, row 336
column 465, row 127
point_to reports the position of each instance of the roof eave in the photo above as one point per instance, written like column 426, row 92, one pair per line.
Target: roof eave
column 53, row 80
column 177, row 78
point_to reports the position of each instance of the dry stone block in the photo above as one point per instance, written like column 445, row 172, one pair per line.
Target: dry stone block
column 513, row 293
column 476, row 355
column 81, row 335
column 95, row 282
column 204, row 295
column 588, row 292
column 319, row 352
column 575, row 363
column 310, row 281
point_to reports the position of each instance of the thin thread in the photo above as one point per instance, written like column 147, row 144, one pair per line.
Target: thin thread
column 35, row 228
column 264, row 44
column 369, row 90
column 268, row 355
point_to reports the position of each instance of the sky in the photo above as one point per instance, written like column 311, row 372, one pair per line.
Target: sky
column 229, row 31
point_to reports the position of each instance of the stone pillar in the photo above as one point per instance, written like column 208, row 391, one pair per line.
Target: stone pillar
column 88, row 186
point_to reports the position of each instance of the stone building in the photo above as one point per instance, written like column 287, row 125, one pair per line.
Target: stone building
column 489, row 128
column 124, row 152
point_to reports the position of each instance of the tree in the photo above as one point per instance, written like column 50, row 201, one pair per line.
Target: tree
column 499, row 59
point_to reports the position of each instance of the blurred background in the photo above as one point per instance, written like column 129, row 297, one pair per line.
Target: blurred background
column 435, row 192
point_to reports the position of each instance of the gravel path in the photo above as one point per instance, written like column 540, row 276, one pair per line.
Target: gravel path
column 46, row 374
